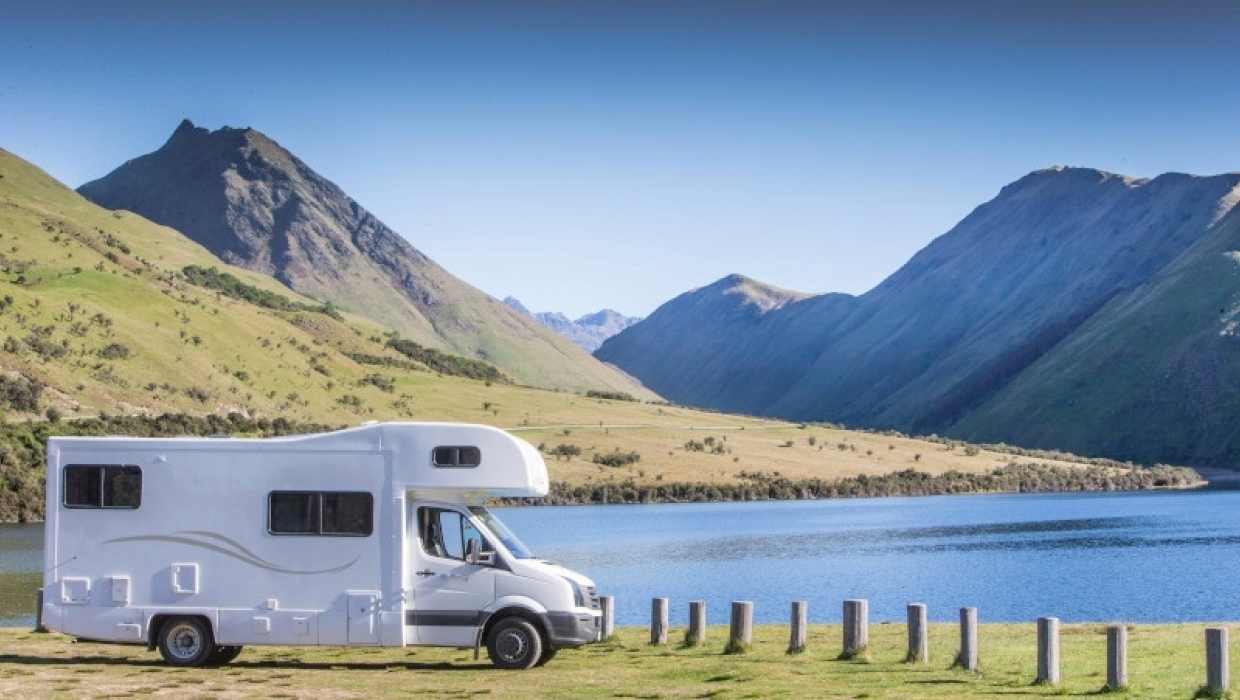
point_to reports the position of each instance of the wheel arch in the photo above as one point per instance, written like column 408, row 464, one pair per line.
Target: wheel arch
column 513, row 610
column 156, row 624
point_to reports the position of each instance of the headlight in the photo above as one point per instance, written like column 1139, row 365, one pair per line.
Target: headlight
column 579, row 596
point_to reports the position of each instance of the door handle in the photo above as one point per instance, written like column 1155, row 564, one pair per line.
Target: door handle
column 427, row 572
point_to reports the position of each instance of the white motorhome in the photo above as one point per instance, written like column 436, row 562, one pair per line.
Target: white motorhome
column 372, row 536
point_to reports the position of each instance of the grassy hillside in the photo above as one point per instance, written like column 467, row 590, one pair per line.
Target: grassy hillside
column 99, row 318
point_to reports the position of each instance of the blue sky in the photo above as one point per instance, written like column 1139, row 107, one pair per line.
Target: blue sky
column 588, row 154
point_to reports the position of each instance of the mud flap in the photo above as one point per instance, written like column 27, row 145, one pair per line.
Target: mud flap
column 482, row 625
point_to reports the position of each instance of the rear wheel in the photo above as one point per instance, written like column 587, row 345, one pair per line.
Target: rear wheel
column 514, row 643
column 186, row 641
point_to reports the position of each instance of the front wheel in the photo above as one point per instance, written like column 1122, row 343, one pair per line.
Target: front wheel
column 514, row 643
column 186, row 641
column 223, row 655
column 547, row 655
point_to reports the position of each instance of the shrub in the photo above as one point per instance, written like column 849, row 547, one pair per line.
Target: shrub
column 385, row 384
column 616, row 459
column 114, row 351
column 566, row 451
column 20, row 393
column 442, row 362
column 612, row 395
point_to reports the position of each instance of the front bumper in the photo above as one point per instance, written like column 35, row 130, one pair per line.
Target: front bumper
column 572, row 629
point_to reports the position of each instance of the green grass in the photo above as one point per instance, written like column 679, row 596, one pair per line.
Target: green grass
column 1165, row 661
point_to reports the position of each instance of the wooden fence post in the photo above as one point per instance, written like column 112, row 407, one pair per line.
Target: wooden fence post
column 607, row 605
column 856, row 628
column 658, row 621
column 1117, row 657
column 697, row 623
column 1048, row 650
column 918, row 634
column 1217, row 671
column 968, row 639
column 740, row 629
column 800, row 617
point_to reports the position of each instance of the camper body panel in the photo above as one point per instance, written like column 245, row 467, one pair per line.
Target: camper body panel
column 200, row 542
column 304, row 540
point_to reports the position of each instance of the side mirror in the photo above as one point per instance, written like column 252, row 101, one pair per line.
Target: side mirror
column 475, row 555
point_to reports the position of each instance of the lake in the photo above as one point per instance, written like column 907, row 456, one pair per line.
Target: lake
column 1133, row 557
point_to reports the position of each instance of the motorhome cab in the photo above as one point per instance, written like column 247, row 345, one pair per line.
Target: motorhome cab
column 373, row 536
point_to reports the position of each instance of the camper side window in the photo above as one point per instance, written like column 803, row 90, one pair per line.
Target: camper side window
column 102, row 486
column 463, row 457
column 347, row 513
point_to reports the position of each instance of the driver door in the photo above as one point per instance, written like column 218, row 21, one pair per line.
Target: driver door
column 448, row 592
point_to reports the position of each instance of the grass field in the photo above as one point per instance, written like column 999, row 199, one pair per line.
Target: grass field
column 1165, row 661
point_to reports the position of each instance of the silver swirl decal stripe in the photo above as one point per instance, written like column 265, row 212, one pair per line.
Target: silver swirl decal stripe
column 234, row 550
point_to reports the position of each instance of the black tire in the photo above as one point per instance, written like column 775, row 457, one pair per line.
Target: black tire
column 547, row 655
column 514, row 643
column 223, row 655
column 186, row 641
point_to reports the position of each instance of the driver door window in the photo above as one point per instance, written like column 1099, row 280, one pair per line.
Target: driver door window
column 444, row 533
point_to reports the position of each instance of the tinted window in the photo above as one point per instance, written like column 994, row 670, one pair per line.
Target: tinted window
column 347, row 513
column 102, row 486
column 457, row 457
column 320, row 513
column 294, row 513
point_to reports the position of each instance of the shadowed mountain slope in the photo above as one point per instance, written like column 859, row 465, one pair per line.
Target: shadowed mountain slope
column 1021, row 276
column 255, row 205
column 710, row 346
column 1152, row 376
column 982, row 302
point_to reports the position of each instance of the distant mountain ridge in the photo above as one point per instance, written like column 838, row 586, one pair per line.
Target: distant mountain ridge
column 253, row 204
column 587, row 332
column 1018, row 278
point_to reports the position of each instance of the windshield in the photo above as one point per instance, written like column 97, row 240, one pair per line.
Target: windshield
column 500, row 530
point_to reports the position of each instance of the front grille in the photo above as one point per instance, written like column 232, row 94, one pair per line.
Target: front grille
column 592, row 598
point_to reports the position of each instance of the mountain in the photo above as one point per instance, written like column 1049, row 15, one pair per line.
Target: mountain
column 255, row 205
column 99, row 315
column 709, row 346
column 1152, row 376
column 106, row 316
column 587, row 332
column 971, row 313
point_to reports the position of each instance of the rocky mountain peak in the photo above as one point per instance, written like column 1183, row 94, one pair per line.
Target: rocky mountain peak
column 587, row 332
column 254, row 204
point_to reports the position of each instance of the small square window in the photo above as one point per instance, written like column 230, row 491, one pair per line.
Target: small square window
column 348, row 513
column 294, row 513
column 461, row 457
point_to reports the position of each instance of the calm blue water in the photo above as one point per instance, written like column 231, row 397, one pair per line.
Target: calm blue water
column 1137, row 557
column 1134, row 557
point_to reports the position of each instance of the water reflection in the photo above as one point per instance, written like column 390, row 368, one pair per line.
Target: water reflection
column 21, row 572
column 819, row 546
column 892, row 541
column 1084, row 557
column 1153, row 557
